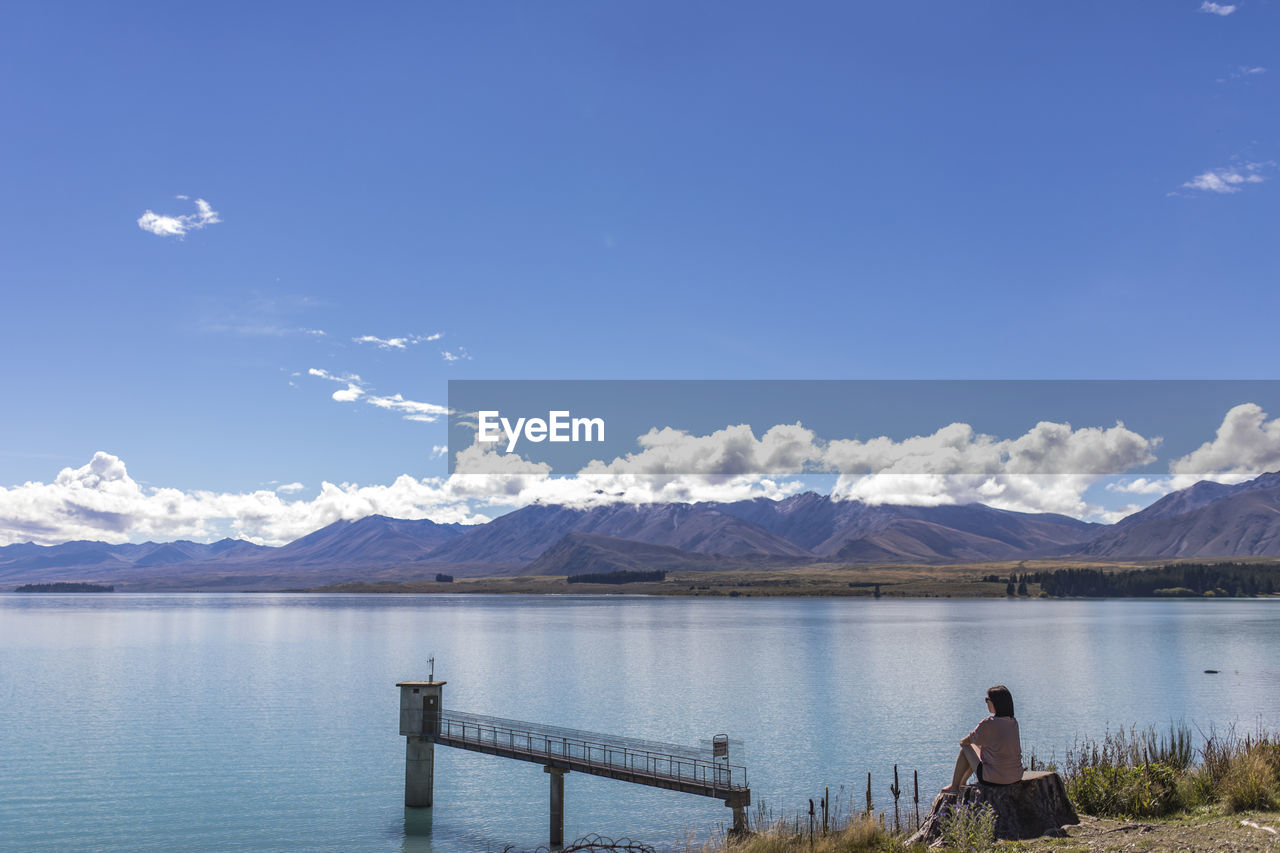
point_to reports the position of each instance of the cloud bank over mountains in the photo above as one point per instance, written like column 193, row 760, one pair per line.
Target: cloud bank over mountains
column 1048, row 469
column 100, row 500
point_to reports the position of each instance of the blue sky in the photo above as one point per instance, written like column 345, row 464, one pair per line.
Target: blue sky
column 621, row 190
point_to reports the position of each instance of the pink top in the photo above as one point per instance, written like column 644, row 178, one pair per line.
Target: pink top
column 999, row 748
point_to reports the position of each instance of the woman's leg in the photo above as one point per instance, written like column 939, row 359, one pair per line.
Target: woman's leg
column 966, row 765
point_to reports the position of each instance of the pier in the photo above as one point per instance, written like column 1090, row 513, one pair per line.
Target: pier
column 690, row 770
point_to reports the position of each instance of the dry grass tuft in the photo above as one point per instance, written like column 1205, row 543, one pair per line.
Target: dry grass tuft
column 861, row 835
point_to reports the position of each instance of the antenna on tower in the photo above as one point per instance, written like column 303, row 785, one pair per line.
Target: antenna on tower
column 432, row 662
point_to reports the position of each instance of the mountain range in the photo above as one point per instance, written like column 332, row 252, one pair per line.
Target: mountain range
column 1206, row 520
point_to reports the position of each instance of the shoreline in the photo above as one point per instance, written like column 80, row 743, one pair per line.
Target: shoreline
column 971, row 580
column 1024, row 579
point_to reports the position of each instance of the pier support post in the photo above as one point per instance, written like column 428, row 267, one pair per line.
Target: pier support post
column 739, row 802
column 420, row 723
column 739, row 827
column 557, row 805
column 419, row 771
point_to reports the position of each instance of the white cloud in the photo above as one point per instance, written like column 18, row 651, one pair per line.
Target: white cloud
column 1245, row 446
column 178, row 226
column 101, row 501
column 266, row 315
column 349, row 394
column 1048, row 469
column 1211, row 8
column 397, row 343
column 353, row 391
column 264, row 330
column 1230, row 179
column 460, row 355
column 1244, row 71
column 383, row 343
column 507, row 479
column 411, row 410
column 1111, row 516
column 289, row 488
column 260, row 329
column 729, row 452
column 1141, row 486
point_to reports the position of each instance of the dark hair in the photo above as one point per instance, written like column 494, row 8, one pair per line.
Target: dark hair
column 1001, row 700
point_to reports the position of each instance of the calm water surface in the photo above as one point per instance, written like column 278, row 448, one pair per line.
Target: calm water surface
column 270, row 722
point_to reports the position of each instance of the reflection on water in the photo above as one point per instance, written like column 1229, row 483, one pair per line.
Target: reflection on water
column 214, row 722
column 417, row 831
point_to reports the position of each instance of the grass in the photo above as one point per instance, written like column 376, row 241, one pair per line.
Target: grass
column 970, row 829
column 1146, row 773
column 862, row 834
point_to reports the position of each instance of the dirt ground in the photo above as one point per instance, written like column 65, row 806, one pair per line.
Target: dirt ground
column 1207, row 833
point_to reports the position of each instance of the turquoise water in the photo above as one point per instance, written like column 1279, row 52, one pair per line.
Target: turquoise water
column 270, row 722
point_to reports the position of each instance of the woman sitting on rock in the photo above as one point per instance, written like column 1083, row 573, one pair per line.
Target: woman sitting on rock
column 993, row 750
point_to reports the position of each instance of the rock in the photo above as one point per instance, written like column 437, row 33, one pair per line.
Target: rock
column 1036, row 806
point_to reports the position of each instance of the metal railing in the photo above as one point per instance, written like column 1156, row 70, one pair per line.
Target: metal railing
column 660, row 761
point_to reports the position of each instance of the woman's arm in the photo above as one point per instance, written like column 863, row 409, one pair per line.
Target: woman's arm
column 978, row 731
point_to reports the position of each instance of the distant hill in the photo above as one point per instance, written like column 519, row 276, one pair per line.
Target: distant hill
column 1243, row 523
column 372, row 540
column 1204, row 520
column 845, row 529
column 522, row 535
column 105, row 558
column 587, row 553
column 1194, row 497
column 344, row 550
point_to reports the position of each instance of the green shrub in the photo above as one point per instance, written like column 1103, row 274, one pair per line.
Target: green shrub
column 1141, row 773
column 1250, row 781
column 1148, row 790
column 1196, row 789
column 970, row 828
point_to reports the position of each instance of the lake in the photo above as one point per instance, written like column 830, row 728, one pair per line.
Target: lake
column 209, row 722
